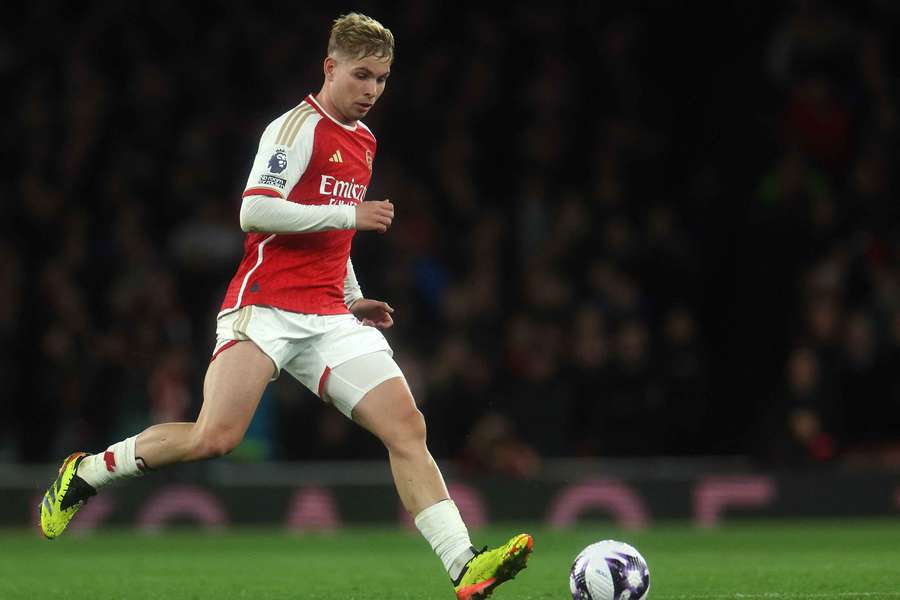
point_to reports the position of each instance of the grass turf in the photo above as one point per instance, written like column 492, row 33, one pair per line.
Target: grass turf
column 752, row 560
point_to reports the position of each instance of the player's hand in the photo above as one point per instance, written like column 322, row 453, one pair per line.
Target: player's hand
column 373, row 313
column 376, row 215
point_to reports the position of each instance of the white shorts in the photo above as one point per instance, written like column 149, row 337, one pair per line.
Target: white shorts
column 312, row 347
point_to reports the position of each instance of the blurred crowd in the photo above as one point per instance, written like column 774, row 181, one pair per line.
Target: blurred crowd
column 828, row 200
column 618, row 233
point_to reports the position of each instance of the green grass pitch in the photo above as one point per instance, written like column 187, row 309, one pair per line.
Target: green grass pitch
column 751, row 560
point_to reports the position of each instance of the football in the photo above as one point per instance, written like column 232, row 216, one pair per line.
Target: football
column 609, row 570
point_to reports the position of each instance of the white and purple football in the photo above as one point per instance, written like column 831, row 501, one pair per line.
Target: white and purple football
column 609, row 570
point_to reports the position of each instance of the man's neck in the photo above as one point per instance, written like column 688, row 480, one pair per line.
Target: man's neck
column 324, row 100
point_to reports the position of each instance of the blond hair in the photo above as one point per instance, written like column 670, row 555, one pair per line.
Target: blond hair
column 360, row 36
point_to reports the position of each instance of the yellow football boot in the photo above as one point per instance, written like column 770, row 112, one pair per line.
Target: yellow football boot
column 490, row 568
column 64, row 497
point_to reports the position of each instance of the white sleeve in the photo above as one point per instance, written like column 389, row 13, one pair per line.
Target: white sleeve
column 264, row 214
column 283, row 154
column 352, row 291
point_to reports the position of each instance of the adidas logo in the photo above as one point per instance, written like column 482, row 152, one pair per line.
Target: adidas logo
column 336, row 157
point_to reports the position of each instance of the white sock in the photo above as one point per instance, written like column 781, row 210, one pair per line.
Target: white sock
column 101, row 469
column 444, row 529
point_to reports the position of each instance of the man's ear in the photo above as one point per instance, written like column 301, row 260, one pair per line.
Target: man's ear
column 328, row 67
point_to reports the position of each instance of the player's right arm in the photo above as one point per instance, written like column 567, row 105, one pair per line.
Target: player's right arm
column 282, row 157
column 267, row 214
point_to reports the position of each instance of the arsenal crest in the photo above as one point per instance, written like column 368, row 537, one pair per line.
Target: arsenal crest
column 369, row 160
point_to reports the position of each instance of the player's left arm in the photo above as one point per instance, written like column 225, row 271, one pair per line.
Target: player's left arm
column 374, row 313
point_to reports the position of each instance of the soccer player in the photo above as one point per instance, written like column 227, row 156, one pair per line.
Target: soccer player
column 295, row 304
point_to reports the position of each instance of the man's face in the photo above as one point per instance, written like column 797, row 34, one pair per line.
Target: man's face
column 356, row 83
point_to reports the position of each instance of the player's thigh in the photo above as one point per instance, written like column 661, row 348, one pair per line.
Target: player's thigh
column 234, row 383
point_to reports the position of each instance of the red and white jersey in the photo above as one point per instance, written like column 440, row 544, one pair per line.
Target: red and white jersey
column 305, row 156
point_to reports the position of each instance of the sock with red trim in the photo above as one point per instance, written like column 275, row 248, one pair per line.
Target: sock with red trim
column 118, row 462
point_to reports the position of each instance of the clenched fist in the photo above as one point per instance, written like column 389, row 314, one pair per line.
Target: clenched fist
column 376, row 215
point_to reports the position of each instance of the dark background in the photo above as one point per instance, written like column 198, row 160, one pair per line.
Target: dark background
column 623, row 228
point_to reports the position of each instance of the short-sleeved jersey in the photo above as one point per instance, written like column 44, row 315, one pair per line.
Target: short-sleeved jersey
column 305, row 156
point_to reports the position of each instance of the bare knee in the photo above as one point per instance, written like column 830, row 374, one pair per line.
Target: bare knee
column 406, row 433
column 213, row 443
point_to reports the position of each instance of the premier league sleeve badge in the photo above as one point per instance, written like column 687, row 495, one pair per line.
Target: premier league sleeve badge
column 279, row 162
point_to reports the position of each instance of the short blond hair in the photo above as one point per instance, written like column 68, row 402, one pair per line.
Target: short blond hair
column 360, row 36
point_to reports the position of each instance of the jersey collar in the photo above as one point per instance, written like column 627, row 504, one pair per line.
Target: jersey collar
column 312, row 100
